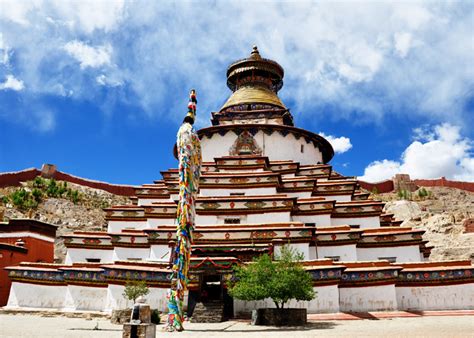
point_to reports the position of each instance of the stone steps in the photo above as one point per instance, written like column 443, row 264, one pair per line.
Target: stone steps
column 210, row 312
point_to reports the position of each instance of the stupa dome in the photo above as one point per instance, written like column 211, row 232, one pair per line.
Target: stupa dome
column 254, row 80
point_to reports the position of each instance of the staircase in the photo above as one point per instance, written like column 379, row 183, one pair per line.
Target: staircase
column 209, row 312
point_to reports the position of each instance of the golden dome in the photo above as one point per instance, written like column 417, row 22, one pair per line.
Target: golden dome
column 254, row 80
column 253, row 94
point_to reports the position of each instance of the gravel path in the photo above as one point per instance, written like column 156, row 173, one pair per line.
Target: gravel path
column 35, row 326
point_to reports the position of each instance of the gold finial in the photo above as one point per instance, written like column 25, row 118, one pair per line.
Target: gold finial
column 255, row 54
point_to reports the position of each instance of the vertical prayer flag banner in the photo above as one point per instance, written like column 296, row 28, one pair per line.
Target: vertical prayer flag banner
column 189, row 156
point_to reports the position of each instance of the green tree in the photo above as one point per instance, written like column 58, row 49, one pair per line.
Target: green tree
column 281, row 280
column 135, row 289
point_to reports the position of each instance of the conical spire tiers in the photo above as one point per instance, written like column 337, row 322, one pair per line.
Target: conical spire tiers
column 255, row 70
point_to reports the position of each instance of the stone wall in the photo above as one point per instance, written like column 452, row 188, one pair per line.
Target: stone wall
column 403, row 182
column 50, row 171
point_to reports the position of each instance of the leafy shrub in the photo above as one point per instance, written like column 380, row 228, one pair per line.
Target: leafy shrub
column 39, row 182
column 23, row 199
column 280, row 280
column 40, row 188
column 135, row 289
column 155, row 316
column 422, row 193
column 404, row 194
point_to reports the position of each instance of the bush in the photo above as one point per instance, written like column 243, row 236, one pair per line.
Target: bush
column 404, row 194
column 280, row 280
column 23, row 199
column 375, row 191
column 40, row 188
column 39, row 182
column 135, row 289
column 155, row 316
column 422, row 193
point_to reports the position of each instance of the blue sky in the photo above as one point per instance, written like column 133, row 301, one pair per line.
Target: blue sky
column 99, row 88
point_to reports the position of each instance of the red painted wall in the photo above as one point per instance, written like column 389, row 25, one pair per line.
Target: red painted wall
column 387, row 186
column 15, row 178
column 8, row 257
column 37, row 251
column 382, row 187
column 442, row 182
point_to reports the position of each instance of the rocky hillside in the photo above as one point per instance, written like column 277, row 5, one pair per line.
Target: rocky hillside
column 441, row 214
column 73, row 208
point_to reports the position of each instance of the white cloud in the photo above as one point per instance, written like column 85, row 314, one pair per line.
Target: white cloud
column 86, row 15
column 339, row 144
column 4, row 51
column 435, row 153
column 12, row 83
column 403, row 43
column 367, row 60
column 89, row 56
column 104, row 80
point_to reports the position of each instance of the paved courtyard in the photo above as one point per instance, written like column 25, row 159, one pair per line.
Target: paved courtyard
column 27, row 325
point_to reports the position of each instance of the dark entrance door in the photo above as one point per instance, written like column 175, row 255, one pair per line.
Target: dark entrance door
column 211, row 288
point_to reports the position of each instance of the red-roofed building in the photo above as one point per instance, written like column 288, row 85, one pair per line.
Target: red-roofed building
column 23, row 240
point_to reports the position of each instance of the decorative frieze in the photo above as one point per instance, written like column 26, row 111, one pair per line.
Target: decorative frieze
column 329, row 188
column 398, row 237
column 247, row 180
column 88, row 241
column 243, row 204
column 36, row 275
column 369, row 276
column 357, row 209
column 125, row 213
column 317, row 171
column 313, row 206
column 84, row 276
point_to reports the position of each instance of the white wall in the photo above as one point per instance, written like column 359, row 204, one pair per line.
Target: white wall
column 326, row 301
column 448, row 297
column 301, row 194
column 319, row 220
column 126, row 253
column 266, row 217
column 118, row 226
column 368, row 298
column 85, row 298
column 160, row 252
column 275, row 146
column 28, row 295
column 156, row 298
column 299, row 247
column 76, row 255
column 148, row 201
column 364, row 222
column 154, row 222
column 346, row 252
column 402, row 253
column 247, row 192
column 337, row 198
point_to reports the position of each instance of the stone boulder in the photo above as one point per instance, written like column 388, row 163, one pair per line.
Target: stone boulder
column 404, row 210
column 121, row 316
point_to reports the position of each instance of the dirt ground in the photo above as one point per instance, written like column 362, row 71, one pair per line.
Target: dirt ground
column 447, row 326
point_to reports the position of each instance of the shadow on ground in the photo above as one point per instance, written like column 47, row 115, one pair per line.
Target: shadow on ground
column 261, row 328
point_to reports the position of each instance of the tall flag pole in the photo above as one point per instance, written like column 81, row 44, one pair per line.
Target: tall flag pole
column 189, row 156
